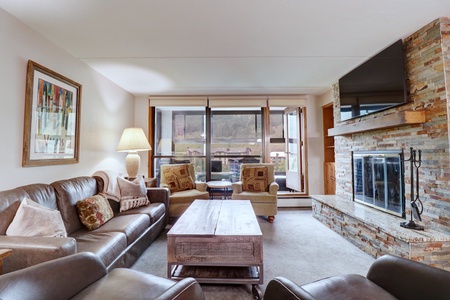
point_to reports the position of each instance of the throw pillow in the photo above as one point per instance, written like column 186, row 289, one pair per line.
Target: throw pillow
column 178, row 178
column 254, row 179
column 33, row 219
column 132, row 193
column 133, row 202
column 94, row 211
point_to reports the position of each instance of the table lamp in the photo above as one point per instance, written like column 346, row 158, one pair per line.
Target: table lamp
column 133, row 140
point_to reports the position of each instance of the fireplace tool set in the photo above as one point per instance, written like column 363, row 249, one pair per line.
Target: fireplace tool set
column 415, row 160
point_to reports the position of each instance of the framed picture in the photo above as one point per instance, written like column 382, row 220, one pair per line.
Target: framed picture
column 52, row 118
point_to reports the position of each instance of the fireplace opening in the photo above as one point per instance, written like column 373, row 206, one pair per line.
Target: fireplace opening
column 378, row 180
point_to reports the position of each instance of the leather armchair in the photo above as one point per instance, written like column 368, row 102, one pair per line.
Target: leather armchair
column 179, row 201
column 264, row 202
column 389, row 277
column 83, row 276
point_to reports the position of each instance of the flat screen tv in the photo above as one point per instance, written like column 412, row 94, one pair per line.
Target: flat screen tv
column 377, row 84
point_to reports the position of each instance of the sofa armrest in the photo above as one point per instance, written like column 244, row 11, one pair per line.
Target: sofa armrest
column 283, row 288
column 408, row 279
column 237, row 187
column 160, row 195
column 185, row 289
column 28, row 251
column 273, row 188
column 60, row 278
column 201, row 186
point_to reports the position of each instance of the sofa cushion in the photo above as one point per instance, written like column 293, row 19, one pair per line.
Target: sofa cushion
column 106, row 245
column 32, row 219
column 133, row 226
column 154, row 210
column 94, row 211
column 343, row 287
column 254, row 179
column 68, row 193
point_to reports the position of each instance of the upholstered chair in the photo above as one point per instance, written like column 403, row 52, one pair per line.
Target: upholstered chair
column 257, row 184
column 180, row 180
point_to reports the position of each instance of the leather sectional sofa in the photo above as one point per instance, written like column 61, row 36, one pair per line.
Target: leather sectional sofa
column 118, row 243
column 389, row 277
column 83, row 276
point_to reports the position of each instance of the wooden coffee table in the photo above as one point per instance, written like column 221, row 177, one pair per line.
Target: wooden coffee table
column 217, row 242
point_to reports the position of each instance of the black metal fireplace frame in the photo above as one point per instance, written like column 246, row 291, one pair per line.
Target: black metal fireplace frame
column 401, row 183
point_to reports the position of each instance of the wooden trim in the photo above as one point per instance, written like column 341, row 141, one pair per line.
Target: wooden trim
column 401, row 118
column 151, row 140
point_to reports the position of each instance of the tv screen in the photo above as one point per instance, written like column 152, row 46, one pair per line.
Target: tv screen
column 377, row 84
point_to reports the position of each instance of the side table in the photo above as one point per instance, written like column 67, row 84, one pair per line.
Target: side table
column 218, row 185
column 4, row 253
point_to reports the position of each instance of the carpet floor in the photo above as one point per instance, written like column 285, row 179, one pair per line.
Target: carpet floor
column 296, row 246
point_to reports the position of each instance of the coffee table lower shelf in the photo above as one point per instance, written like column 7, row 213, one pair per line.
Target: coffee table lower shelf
column 221, row 274
column 218, row 274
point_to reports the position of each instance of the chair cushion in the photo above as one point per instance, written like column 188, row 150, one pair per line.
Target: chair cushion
column 254, row 179
column 346, row 287
column 178, row 178
column 256, row 197
column 187, row 196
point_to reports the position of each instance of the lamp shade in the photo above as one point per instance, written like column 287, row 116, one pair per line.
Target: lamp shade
column 133, row 139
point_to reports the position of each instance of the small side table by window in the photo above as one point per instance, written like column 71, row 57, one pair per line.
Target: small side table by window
column 222, row 185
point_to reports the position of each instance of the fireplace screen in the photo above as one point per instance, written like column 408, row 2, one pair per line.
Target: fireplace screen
column 378, row 180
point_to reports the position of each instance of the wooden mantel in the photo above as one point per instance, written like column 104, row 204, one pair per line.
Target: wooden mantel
column 402, row 118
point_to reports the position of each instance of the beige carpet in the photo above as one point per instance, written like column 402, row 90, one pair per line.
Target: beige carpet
column 296, row 246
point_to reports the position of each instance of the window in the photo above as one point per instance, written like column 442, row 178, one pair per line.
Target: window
column 220, row 135
column 236, row 138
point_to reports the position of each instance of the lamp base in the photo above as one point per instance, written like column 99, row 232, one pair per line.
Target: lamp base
column 411, row 225
column 132, row 163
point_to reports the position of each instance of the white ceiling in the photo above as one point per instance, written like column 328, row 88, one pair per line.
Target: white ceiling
column 211, row 47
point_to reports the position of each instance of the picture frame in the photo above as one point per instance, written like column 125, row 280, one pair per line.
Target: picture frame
column 52, row 118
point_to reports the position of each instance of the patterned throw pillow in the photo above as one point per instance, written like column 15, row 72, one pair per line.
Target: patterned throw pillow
column 132, row 193
column 178, row 178
column 254, row 179
column 94, row 211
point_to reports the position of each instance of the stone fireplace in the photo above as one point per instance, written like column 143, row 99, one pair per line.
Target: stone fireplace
column 378, row 180
column 427, row 58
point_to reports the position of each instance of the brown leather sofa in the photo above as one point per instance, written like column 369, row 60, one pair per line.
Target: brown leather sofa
column 389, row 277
column 118, row 243
column 83, row 276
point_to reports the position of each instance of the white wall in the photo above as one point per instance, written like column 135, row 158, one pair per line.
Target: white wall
column 141, row 120
column 106, row 109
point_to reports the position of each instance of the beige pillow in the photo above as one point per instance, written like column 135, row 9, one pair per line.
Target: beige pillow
column 132, row 193
column 254, row 179
column 33, row 219
column 94, row 211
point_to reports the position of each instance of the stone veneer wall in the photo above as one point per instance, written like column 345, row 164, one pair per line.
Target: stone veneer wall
column 428, row 82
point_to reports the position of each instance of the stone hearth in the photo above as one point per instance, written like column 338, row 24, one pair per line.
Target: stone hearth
column 378, row 233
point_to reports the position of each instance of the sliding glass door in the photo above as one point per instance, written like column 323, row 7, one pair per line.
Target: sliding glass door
column 236, row 138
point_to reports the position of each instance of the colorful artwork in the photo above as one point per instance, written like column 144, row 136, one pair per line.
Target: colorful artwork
column 52, row 113
column 55, row 119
